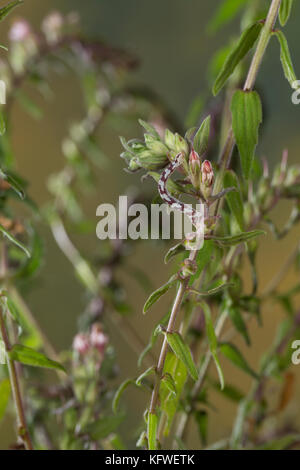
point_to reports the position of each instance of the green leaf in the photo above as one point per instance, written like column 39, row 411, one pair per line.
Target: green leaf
column 151, row 431
column 2, row 124
column 16, row 242
column 246, row 111
column 230, row 392
column 202, row 137
column 169, row 382
column 213, row 342
column 174, row 251
column 203, row 258
column 214, row 291
column 103, row 426
column 117, row 397
column 202, row 421
column 234, row 199
column 33, row 358
column 225, row 13
column 242, row 237
column 286, row 60
column 13, row 183
column 285, row 11
column 169, row 401
column 8, row 8
column 156, row 295
column 183, row 353
column 145, row 374
column 235, row 356
column 238, row 322
column 150, row 129
column 245, row 43
column 5, row 390
column 281, row 443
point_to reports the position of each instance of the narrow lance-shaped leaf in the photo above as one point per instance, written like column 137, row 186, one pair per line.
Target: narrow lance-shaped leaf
column 214, row 291
column 225, row 13
column 156, row 295
column 238, row 322
column 183, row 353
column 145, row 374
column 235, row 356
column 151, row 431
column 213, row 342
column 13, row 183
column 32, row 358
column 8, row 8
column 103, row 427
column 246, row 111
column 286, row 60
column 16, row 242
column 174, row 251
column 202, row 421
column 242, row 237
column 202, row 137
column 233, row 198
column 285, row 11
column 124, row 385
column 243, row 46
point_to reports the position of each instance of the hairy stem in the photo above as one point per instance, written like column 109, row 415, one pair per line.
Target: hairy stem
column 15, row 386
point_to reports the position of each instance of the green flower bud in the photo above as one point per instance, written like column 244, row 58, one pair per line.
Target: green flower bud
column 181, row 145
column 170, row 140
column 155, row 145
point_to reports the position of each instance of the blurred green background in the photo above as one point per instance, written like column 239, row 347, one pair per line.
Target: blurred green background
column 170, row 39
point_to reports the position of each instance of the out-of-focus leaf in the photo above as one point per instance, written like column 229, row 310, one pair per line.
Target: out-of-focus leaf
column 235, row 356
column 281, row 443
column 156, row 331
column 202, row 421
column 33, row 358
column 230, row 392
column 237, row 319
column 182, row 351
column 203, row 258
column 286, row 60
column 13, row 240
column 245, row 43
column 239, row 238
column 247, row 116
column 238, row 428
column 4, row 396
column 226, row 12
column 156, row 295
column 233, row 198
column 103, row 426
column 34, row 262
column 285, row 11
column 213, row 342
column 151, row 431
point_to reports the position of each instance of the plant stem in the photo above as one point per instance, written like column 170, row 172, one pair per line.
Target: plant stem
column 15, row 386
column 224, row 163
column 249, row 84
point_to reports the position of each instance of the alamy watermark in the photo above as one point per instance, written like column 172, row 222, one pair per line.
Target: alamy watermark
column 137, row 221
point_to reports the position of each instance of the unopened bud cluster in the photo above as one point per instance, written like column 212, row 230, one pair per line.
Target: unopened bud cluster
column 93, row 343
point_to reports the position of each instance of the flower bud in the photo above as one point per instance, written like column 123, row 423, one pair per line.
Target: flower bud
column 81, row 344
column 207, row 178
column 156, row 147
column 181, row 145
column 98, row 339
column 19, row 31
column 195, row 168
column 170, row 139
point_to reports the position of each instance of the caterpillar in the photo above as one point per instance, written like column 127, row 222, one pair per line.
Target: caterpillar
column 192, row 214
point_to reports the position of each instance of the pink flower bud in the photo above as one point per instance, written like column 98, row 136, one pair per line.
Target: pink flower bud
column 97, row 338
column 19, row 31
column 195, row 162
column 207, row 174
column 81, row 343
